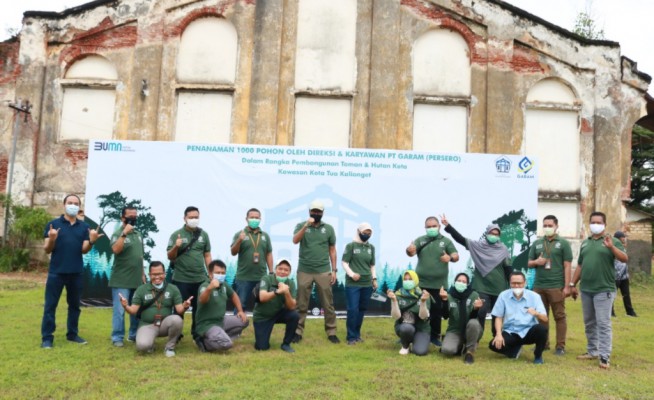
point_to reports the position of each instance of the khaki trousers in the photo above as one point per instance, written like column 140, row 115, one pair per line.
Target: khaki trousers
column 555, row 299
column 305, row 283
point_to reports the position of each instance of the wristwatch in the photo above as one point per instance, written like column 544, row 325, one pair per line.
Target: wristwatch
column 123, row 236
column 572, row 284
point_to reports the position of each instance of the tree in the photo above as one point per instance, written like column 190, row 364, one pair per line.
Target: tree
column 516, row 228
column 585, row 25
column 642, row 169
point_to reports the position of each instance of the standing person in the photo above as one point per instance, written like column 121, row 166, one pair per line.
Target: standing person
column 158, row 306
column 435, row 252
column 622, row 278
column 492, row 266
column 276, row 305
column 66, row 239
column 317, row 265
column 596, row 271
column 126, row 274
column 464, row 330
column 216, row 330
column 190, row 251
column 551, row 256
column 519, row 319
column 254, row 250
column 359, row 264
column 410, row 308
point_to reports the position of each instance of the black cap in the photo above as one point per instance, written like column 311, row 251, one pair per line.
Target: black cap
column 619, row 234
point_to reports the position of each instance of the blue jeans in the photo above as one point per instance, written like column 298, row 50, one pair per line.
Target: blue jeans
column 243, row 290
column 357, row 303
column 263, row 329
column 53, row 287
column 118, row 319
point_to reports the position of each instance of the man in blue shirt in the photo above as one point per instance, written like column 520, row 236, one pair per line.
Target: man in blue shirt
column 518, row 314
column 66, row 239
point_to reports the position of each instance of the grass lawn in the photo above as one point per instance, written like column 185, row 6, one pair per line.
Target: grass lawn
column 317, row 370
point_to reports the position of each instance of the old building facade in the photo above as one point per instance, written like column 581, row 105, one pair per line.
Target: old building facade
column 425, row 75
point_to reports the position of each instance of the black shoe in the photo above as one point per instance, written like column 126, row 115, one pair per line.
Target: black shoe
column 77, row 340
column 297, row 338
column 200, row 343
column 334, row 339
column 287, row 348
column 469, row 359
column 436, row 342
column 633, row 314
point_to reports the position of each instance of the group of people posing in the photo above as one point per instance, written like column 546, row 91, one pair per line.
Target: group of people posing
column 157, row 307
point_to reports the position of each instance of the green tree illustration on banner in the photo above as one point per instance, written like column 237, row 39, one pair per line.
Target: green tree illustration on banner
column 517, row 228
column 146, row 223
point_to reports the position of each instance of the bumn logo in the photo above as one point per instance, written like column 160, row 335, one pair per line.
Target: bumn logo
column 107, row 146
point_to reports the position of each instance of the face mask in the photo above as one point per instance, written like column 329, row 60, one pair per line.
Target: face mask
column 549, row 231
column 219, row 277
column 408, row 285
column 72, row 210
column 159, row 286
column 517, row 292
column 460, row 286
column 254, row 223
column 432, row 232
column 316, row 217
column 492, row 239
column 364, row 237
column 193, row 222
column 281, row 279
column 130, row 221
column 596, row 229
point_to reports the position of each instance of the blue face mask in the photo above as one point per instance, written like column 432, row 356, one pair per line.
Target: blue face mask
column 159, row 286
column 220, row 277
column 72, row 210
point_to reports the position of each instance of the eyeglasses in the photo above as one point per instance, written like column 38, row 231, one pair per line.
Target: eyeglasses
column 157, row 274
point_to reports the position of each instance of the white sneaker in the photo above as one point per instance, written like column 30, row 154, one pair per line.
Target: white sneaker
column 404, row 351
column 169, row 352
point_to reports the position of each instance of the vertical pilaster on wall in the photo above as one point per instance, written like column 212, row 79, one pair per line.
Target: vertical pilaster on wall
column 285, row 93
column 500, row 133
column 361, row 101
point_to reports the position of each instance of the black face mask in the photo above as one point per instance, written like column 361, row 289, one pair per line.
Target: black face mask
column 364, row 237
column 316, row 217
column 130, row 221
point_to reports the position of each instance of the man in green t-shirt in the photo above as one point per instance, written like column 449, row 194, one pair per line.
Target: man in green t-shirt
column 317, row 265
column 254, row 251
column 126, row 274
column 434, row 252
column 158, row 306
column 596, row 271
column 190, row 251
column 216, row 329
column 551, row 256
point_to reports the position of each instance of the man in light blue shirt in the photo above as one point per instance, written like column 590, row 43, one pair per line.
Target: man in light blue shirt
column 518, row 314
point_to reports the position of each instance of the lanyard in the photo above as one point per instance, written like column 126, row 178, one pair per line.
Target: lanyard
column 252, row 240
column 156, row 301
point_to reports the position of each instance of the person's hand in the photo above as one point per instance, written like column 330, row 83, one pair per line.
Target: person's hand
column 498, row 341
column 241, row 236
column 532, row 311
column 178, row 242
column 282, row 288
column 356, row 277
column 540, row 260
column 412, row 248
column 575, row 293
column 443, row 293
column 424, row 296
column 144, row 279
column 214, row 284
column 333, row 280
column 391, row 295
column 53, row 233
column 477, row 304
column 374, row 284
column 128, row 229
column 187, row 303
column 608, row 242
column 94, row 235
column 445, row 258
column 444, row 220
column 311, row 221
column 243, row 316
column 566, row 291
column 123, row 300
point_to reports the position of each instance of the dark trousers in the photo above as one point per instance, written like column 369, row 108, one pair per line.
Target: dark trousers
column 357, row 304
column 408, row 334
column 263, row 329
column 435, row 313
column 187, row 290
column 489, row 303
column 512, row 342
column 243, row 290
column 623, row 285
column 53, row 287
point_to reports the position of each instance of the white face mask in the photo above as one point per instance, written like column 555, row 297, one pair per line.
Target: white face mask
column 549, row 231
column 517, row 292
column 72, row 210
column 596, row 229
column 193, row 222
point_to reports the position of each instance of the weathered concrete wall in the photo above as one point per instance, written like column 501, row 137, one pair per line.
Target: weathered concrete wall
column 509, row 53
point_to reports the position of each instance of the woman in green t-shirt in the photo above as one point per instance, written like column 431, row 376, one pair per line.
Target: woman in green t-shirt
column 410, row 308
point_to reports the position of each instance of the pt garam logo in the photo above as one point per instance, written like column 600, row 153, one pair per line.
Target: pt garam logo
column 110, row 146
column 503, row 166
column 524, row 166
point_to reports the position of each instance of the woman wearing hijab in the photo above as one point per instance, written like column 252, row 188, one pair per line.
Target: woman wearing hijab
column 359, row 264
column 463, row 331
column 410, row 308
column 492, row 266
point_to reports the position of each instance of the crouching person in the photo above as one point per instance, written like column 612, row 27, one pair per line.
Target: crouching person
column 215, row 329
column 410, row 308
column 464, row 330
column 276, row 305
column 157, row 304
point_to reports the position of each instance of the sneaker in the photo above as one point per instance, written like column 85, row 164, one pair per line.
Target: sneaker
column 559, row 351
column 538, row 360
column 200, row 343
column 169, row 352
column 287, row 348
column 404, row 351
column 517, row 353
column 469, row 359
column 587, row 356
column 359, row 340
column 633, row 314
column 436, row 342
column 118, row 344
column 351, row 342
column 334, row 339
column 47, row 344
column 77, row 340
column 131, row 339
column 604, row 363
column 297, row 338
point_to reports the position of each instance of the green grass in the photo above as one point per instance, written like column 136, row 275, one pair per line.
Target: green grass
column 317, row 370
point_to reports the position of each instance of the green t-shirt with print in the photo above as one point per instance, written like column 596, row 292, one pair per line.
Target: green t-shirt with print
column 247, row 269
column 557, row 250
column 267, row 310
column 144, row 294
column 127, row 271
column 433, row 273
column 412, row 304
column 212, row 313
column 597, row 265
column 494, row 283
column 314, row 248
column 453, row 305
column 360, row 257
column 189, row 266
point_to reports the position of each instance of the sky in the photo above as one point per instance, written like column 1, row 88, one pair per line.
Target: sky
column 623, row 21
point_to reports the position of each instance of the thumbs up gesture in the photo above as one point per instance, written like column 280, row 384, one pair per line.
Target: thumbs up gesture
column 178, row 242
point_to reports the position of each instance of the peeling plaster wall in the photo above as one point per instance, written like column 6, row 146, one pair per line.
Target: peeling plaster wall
column 509, row 53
